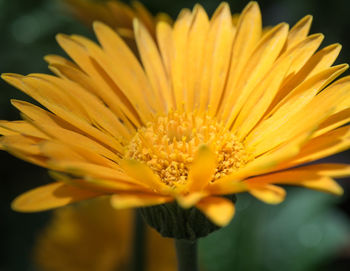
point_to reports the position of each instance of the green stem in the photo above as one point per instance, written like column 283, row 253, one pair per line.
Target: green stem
column 138, row 245
column 186, row 252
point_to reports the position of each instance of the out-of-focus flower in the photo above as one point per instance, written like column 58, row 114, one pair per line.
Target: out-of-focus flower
column 210, row 109
column 93, row 236
column 116, row 14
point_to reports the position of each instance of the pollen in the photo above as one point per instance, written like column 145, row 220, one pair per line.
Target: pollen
column 168, row 146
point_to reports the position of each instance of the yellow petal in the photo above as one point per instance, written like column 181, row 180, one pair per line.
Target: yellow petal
column 227, row 185
column 99, row 185
column 178, row 58
column 56, row 59
column 195, row 55
column 187, row 201
column 144, row 15
column 107, row 89
column 202, row 169
column 57, row 128
column 332, row 170
column 219, row 210
column 21, row 144
column 153, row 65
column 23, row 127
column 166, row 45
column 144, row 175
column 59, row 104
column 313, row 176
column 89, row 170
column 217, row 57
column 259, row 63
column 270, row 160
column 299, row 31
column 325, row 184
column 334, row 121
column 51, row 196
column 128, row 76
column 109, row 95
column 323, row 146
column 261, row 98
column 305, row 120
column 267, row 193
column 320, row 61
column 95, row 111
column 305, row 50
column 247, row 36
column 128, row 200
column 303, row 93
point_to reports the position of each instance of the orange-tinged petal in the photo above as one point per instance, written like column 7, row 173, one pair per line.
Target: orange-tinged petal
column 51, row 196
column 219, row 210
column 135, row 200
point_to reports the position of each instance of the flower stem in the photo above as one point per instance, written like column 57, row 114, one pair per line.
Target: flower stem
column 138, row 245
column 186, row 252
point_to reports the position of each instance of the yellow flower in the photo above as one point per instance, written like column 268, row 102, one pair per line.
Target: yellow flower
column 94, row 236
column 116, row 14
column 211, row 108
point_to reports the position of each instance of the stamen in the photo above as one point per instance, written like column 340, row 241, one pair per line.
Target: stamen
column 168, row 146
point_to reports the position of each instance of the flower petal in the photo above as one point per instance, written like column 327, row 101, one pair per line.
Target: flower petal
column 322, row 146
column 195, row 56
column 313, row 177
column 267, row 193
column 144, row 176
column 51, row 196
column 247, row 36
column 153, row 65
column 219, row 210
column 128, row 200
column 299, row 31
column 202, row 169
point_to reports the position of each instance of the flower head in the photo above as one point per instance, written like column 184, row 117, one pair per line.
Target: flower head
column 211, row 107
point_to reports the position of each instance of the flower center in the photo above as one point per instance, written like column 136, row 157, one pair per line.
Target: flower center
column 169, row 144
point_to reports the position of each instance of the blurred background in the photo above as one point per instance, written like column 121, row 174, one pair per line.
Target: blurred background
column 309, row 231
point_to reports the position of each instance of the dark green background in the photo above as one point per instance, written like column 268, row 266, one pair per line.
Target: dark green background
column 261, row 237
